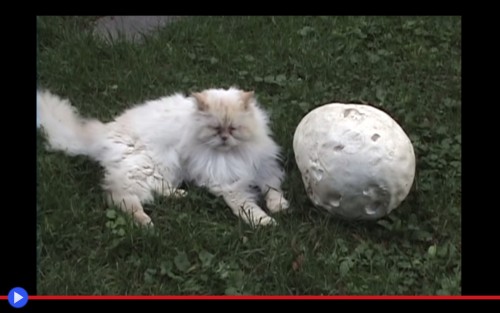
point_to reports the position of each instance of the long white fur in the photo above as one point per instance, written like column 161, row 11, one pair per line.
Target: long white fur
column 155, row 146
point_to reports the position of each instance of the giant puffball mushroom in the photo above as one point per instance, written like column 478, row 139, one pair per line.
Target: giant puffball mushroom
column 355, row 160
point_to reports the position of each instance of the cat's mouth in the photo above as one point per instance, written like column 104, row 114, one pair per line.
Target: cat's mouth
column 224, row 146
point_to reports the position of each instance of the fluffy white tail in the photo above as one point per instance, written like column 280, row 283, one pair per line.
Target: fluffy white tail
column 65, row 129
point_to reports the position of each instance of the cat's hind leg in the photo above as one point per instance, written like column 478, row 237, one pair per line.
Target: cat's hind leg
column 131, row 204
column 129, row 191
column 139, row 191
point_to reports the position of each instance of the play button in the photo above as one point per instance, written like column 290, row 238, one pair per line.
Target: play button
column 18, row 297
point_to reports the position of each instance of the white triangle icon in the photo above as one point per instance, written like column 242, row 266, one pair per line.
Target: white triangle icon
column 17, row 297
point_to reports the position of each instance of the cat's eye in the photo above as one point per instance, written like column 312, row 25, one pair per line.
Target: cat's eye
column 217, row 128
column 232, row 128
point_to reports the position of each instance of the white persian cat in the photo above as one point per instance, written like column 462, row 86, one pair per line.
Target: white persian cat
column 217, row 138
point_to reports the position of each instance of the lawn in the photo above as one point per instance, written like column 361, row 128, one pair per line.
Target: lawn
column 409, row 67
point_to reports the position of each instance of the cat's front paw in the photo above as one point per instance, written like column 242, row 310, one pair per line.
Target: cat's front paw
column 277, row 204
column 143, row 219
column 265, row 221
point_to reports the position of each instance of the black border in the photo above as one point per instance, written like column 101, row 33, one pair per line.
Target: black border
column 183, row 305
column 480, row 212
column 19, row 146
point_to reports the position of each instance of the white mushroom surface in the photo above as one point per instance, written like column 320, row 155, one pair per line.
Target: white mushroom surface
column 356, row 161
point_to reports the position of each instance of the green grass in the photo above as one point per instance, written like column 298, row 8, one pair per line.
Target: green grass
column 408, row 66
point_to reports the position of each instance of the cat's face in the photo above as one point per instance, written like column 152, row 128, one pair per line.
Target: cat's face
column 226, row 118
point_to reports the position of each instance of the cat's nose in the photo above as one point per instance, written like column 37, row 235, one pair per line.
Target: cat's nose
column 224, row 137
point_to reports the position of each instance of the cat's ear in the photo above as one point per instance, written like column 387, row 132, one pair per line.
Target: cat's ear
column 200, row 100
column 247, row 97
